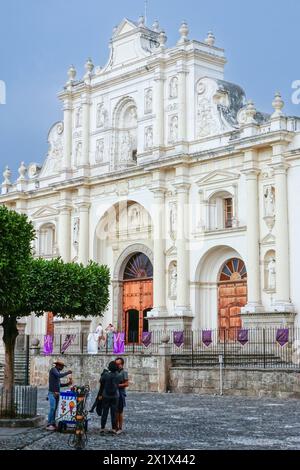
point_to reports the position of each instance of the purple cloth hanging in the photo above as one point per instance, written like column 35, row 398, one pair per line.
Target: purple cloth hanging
column 282, row 336
column 243, row 337
column 207, row 338
column 48, row 345
column 147, row 339
column 119, row 343
column 67, row 343
column 178, row 338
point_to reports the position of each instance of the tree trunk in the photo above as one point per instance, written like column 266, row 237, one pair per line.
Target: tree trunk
column 10, row 334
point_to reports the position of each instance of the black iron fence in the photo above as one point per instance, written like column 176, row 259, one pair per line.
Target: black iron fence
column 255, row 347
column 20, row 403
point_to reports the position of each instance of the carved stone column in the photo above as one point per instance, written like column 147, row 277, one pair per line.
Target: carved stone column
column 251, row 173
column 85, row 129
column 182, row 109
column 64, row 226
column 67, row 133
column 159, row 126
column 83, row 205
column 283, row 301
column 183, row 290
column 159, row 289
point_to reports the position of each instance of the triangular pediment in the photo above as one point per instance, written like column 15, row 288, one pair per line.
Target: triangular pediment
column 126, row 26
column 268, row 240
column 44, row 212
column 218, row 177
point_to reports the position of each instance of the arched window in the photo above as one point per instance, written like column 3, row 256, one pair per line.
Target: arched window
column 234, row 270
column 138, row 267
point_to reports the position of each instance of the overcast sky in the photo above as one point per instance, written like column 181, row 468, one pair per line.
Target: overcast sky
column 39, row 39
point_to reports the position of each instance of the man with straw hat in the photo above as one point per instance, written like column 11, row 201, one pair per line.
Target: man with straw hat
column 55, row 375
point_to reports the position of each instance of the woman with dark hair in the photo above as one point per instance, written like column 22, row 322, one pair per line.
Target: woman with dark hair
column 109, row 394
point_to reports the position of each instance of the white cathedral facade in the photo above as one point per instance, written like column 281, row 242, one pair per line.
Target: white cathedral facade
column 166, row 173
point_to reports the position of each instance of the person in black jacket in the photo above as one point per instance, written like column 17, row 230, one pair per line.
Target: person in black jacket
column 109, row 394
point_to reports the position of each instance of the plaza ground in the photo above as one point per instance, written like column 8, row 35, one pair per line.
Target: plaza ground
column 181, row 422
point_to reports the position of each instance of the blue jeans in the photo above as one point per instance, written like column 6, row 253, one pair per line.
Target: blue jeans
column 53, row 403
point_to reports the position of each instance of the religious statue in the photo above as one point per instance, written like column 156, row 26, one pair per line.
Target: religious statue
column 272, row 274
column 173, row 281
column 148, row 138
column 79, row 117
column 173, row 221
column 174, row 129
column 102, row 116
column 76, row 231
column 174, row 87
column 78, row 153
column 126, row 148
column 270, row 202
column 148, row 101
column 99, row 150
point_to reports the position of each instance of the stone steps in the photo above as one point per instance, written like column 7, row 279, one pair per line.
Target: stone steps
column 212, row 360
column 20, row 368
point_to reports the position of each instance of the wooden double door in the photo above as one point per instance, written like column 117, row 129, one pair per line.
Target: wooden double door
column 137, row 302
column 232, row 297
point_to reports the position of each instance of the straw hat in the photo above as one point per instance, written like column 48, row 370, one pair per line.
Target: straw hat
column 59, row 362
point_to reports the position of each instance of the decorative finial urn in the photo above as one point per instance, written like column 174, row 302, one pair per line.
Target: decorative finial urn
column 22, row 172
column 278, row 105
column 156, row 26
column 184, row 33
column 250, row 112
column 162, row 38
column 141, row 22
column 72, row 74
column 89, row 66
column 7, row 176
column 210, row 40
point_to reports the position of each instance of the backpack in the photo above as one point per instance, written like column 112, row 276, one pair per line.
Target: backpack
column 111, row 386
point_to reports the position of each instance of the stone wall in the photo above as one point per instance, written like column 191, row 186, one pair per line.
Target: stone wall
column 143, row 370
column 240, row 382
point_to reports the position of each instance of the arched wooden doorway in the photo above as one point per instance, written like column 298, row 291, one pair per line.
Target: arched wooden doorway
column 137, row 296
column 232, row 296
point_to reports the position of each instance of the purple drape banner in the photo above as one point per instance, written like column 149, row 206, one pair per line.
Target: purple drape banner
column 243, row 337
column 48, row 345
column 147, row 339
column 178, row 338
column 67, row 343
column 207, row 338
column 119, row 343
column 282, row 336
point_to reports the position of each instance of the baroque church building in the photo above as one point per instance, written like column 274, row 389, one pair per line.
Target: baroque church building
column 166, row 173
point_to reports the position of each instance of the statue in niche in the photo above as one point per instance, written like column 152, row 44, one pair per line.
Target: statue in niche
column 174, row 88
column 174, row 129
column 173, row 221
column 269, row 202
column 79, row 117
column 135, row 217
column 78, row 153
column 148, row 138
column 173, row 281
column 76, row 231
column 148, row 101
column 272, row 274
column 126, row 148
column 99, row 150
column 102, row 116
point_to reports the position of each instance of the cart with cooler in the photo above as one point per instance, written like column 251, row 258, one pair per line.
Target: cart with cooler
column 73, row 415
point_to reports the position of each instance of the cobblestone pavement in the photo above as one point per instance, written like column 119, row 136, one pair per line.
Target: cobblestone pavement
column 182, row 422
